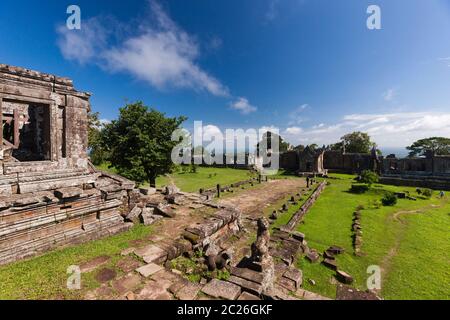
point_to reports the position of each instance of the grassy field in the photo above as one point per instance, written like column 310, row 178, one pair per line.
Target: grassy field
column 45, row 277
column 409, row 241
column 205, row 177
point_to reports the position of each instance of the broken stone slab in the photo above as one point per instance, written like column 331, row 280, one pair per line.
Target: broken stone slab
column 189, row 291
column 134, row 213
column 331, row 264
column 146, row 216
column 294, row 275
column 336, row 250
column 313, row 256
column 147, row 191
column 165, row 211
column 298, row 236
column 247, row 274
column 245, row 296
column 171, row 189
column 287, row 284
column 151, row 253
column 70, row 192
column 25, row 201
column 222, row 290
column 246, row 285
column 177, row 199
column 344, row 277
column 149, row 269
column 329, row 255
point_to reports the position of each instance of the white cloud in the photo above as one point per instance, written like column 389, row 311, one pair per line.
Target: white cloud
column 296, row 117
column 210, row 131
column 243, row 106
column 294, row 130
column 83, row 45
column 161, row 54
column 387, row 130
column 390, row 94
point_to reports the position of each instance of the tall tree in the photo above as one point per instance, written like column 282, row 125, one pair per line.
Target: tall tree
column 140, row 144
column 97, row 151
column 357, row 142
column 283, row 146
column 436, row 145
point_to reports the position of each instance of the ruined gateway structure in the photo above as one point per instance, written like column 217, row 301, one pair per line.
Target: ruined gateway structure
column 50, row 195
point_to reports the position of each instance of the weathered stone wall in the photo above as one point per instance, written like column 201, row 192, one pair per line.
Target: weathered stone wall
column 432, row 182
column 290, row 161
column 21, row 88
column 60, row 199
column 337, row 161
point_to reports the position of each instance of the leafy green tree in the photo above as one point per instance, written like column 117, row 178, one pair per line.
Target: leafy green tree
column 97, row 151
column 140, row 143
column 436, row 145
column 282, row 145
column 299, row 148
column 357, row 142
column 368, row 177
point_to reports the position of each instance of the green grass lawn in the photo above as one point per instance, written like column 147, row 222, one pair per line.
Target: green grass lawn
column 412, row 249
column 205, row 177
column 45, row 277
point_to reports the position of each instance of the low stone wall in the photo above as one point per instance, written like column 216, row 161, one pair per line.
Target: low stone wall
column 32, row 223
column 424, row 182
column 305, row 207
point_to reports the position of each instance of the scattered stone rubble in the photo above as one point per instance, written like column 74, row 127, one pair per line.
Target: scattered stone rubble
column 357, row 233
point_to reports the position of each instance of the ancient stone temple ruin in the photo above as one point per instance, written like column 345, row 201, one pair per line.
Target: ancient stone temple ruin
column 49, row 193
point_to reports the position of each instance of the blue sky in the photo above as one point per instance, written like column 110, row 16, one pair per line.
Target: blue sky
column 310, row 68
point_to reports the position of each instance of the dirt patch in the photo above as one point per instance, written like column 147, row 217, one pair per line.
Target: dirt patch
column 253, row 201
column 105, row 275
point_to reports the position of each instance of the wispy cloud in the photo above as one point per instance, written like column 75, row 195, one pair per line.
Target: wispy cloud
column 243, row 106
column 390, row 94
column 297, row 115
column 160, row 53
column 445, row 60
column 387, row 130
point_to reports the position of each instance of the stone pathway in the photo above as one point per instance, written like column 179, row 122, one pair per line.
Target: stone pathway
column 143, row 275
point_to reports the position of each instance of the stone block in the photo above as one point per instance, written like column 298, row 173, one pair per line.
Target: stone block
column 222, row 290
column 331, row 264
column 344, row 277
column 149, row 270
column 246, row 285
column 70, row 192
column 245, row 296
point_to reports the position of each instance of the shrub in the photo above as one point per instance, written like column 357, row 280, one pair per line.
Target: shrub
column 389, row 199
column 359, row 188
column 427, row 193
column 376, row 204
column 368, row 177
column 194, row 168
